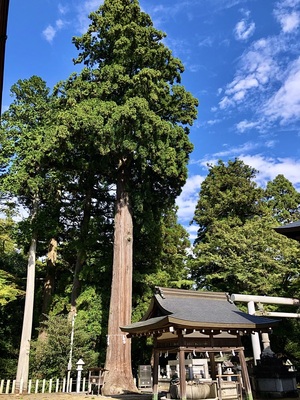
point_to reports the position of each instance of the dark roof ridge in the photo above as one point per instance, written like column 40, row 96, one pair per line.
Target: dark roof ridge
column 173, row 292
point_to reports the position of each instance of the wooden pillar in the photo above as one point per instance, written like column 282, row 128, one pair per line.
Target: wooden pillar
column 212, row 365
column 212, row 359
column 245, row 376
column 182, row 374
column 155, row 375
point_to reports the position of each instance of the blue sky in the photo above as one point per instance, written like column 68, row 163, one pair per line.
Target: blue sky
column 241, row 58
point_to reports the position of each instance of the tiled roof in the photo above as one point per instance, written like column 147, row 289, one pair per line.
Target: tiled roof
column 291, row 230
column 190, row 309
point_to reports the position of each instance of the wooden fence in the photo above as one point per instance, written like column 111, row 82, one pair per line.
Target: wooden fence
column 43, row 386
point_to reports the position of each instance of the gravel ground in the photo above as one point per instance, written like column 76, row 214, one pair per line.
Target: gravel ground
column 72, row 396
column 49, row 396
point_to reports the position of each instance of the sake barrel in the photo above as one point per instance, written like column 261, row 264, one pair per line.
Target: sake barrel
column 198, row 391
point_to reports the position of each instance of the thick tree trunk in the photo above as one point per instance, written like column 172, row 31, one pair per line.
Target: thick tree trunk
column 81, row 251
column 48, row 286
column 118, row 377
column 23, row 363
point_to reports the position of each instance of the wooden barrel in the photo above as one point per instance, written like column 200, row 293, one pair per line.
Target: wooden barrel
column 193, row 392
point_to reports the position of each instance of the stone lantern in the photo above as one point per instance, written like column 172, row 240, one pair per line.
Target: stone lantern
column 80, row 363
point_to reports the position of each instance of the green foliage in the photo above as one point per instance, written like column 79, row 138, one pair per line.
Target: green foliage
column 227, row 193
column 249, row 259
column 51, row 352
column 8, row 289
column 160, row 258
column 50, row 357
column 237, row 249
column 12, row 272
column 11, row 316
column 24, row 141
column 126, row 111
column 283, row 200
column 135, row 92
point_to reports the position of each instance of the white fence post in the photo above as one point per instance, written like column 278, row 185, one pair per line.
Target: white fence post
column 43, row 386
column 29, row 386
column 64, row 385
column 7, row 386
column 36, row 386
column 54, row 385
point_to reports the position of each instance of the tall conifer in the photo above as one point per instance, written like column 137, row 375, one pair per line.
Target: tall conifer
column 143, row 142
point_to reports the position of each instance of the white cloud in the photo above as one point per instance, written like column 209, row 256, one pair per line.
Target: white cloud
column 269, row 168
column 192, row 231
column 289, row 22
column 257, row 67
column 59, row 24
column 234, row 151
column 49, row 33
column 193, row 67
column 263, row 67
column 270, row 143
column 188, row 198
column 288, row 3
column 213, row 121
column 225, row 103
column 287, row 15
column 285, row 103
column 242, row 126
column 239, row 87
column 244, row 30
column 83, row 11
column 206, row 42
column 62, row 9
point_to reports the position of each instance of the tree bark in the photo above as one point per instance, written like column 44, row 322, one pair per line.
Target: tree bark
column 118, row 377
column 81, row 251
column 48, row 286
column 23, row 362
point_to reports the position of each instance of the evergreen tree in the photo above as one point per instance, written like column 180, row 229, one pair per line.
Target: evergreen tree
column 237, row 249
column 249, row 259
column 283, row 200
column 9, row 289
column 26, row 175
column 139, row 117
column 227, row 193
column 160, row 253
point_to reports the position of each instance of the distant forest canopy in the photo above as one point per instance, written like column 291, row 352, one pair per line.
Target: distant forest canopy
column 236, row 250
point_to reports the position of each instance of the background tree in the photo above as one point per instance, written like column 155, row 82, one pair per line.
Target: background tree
column 160, row 254
column 143, row 142
column 237, row 249
column 85, row 194
column 229, row 193
column 248, row 259
column 283, row 200
column 50, row 357
column 24, row 144
column 12, row 267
